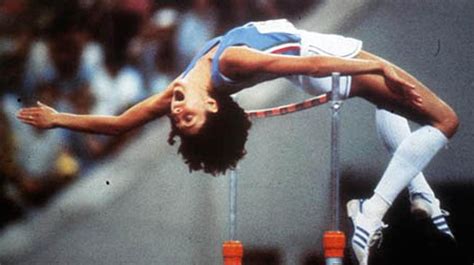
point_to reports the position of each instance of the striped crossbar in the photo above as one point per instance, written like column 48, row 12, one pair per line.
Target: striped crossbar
column 290, row 108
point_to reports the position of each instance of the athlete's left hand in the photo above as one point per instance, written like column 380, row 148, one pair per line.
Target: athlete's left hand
column 401, row 86
column 41, row 117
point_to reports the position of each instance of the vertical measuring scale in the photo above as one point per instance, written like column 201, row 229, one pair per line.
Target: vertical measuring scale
column 334, row 241
column 232, row 250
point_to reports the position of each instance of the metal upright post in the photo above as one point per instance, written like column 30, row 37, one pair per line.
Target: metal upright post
column 336, row 103
column 232, row 204
column 232, row 250
column 334, row 240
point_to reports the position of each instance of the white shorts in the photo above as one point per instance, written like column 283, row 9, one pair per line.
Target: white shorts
column 313, row 43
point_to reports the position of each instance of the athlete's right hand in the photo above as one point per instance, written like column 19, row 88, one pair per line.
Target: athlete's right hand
column 401, row 86
column 41, row 117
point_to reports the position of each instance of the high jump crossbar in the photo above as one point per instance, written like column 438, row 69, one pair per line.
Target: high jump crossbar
column 290, row 108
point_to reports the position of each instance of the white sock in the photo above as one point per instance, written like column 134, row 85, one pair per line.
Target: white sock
column 375, row 207
column 392, row 130
column 410, row 158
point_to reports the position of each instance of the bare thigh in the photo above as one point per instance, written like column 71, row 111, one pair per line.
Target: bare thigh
column 433, row 110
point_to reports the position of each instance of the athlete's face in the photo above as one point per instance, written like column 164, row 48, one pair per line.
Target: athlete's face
column 189, row 107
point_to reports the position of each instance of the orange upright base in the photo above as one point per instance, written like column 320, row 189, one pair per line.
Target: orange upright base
column 334, row 243
column 232, row 251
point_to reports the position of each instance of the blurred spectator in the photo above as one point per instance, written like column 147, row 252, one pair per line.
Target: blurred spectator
column 11, row 72
column 11, row 12
column 197, row 25
column 289, row 9
column 165, row 66
column 236, row 12
column 99, row 12
column 113, row 87
column 10, row 209
column 44, row 163
column 154, row 49
column 64, row 58
column 140, row 7
column 268, row 8
column 90, row 148
column 15, row 38
column 14, row 41
column 85, row 147
column 116, row 84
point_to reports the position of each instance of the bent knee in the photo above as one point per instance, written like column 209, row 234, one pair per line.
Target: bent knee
column 449, row 123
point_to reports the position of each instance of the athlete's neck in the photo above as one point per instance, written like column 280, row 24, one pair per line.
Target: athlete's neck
column 200, row 75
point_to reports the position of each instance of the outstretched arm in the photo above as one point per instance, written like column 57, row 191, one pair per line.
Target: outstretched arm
column 45, row 117
column 243, row 62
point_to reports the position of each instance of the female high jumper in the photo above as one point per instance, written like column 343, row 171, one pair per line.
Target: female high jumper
column 213, row 129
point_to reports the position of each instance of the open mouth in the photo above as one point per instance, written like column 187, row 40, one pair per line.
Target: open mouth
column 178, row 95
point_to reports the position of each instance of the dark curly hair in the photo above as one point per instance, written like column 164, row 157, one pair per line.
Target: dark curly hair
column 220, row 143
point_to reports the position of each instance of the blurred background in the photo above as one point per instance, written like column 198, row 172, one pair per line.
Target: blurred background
column 71, row 198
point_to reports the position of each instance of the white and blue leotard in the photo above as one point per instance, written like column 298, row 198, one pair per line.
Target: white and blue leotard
column 278, row 37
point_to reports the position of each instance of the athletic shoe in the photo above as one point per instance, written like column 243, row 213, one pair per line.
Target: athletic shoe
column 367, row 231
column 423, row 207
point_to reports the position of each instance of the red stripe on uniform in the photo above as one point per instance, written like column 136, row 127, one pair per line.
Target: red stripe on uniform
column 286, row 49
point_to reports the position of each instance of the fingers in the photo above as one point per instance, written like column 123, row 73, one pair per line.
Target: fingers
column 28, row 120
column 32, row 123
column 30, row 110
column 39, row 103
column 35, row 116
column 407, row 84
column 416, row 98
column 407, row 90
column 31, row 119
column 404, row 83
column 27, row 117
column 411, row 94
column 28, row 114
column 45, row 107
column 40, row 107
